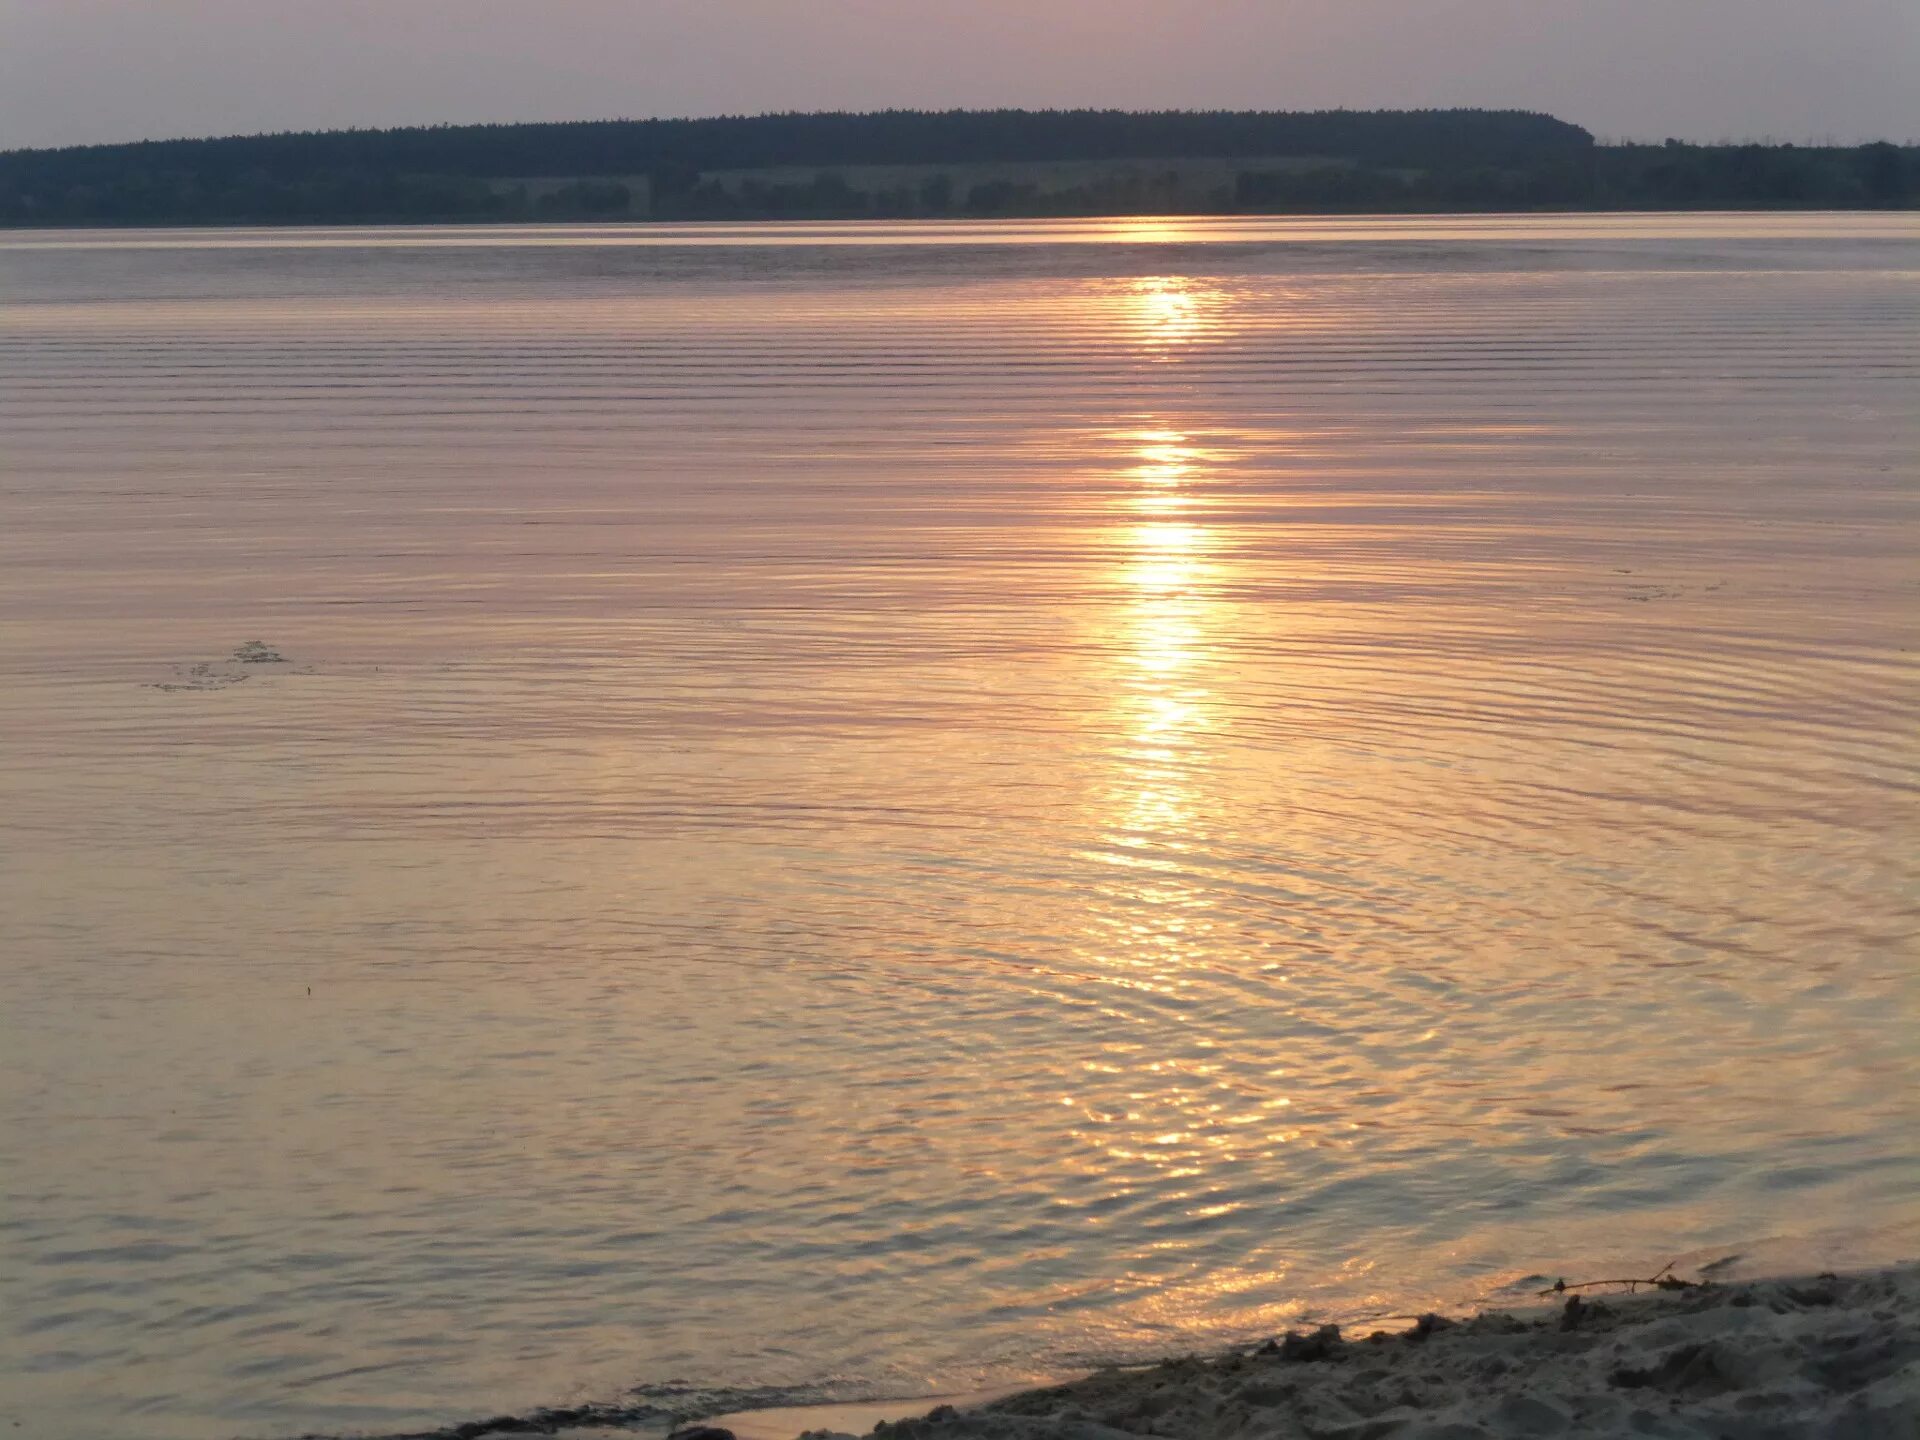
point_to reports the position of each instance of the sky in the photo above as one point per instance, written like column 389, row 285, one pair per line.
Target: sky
column 77, row 71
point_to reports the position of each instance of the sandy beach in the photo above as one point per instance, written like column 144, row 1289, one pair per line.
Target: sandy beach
column 1833, row 1357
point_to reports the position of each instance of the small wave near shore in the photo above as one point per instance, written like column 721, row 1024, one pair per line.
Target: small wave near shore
column 1826, row 1357
column 1832, row 1357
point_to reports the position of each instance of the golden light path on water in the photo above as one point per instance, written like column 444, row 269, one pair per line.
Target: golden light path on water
column 863, row 809
column 1156, row 807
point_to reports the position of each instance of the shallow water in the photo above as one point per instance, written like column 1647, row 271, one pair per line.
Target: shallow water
column 845, row 813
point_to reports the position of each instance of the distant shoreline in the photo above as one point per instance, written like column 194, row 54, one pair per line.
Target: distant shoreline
column 374, row 222
column 907, row 165
column 958, row 222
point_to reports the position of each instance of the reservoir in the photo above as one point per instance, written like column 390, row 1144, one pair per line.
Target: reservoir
column 802, row 811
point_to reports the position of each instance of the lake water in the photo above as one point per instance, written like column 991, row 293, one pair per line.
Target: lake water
column 857, row 809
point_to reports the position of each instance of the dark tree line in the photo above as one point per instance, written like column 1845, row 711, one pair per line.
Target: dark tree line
column 891, row 137
column 1374, row 160
column 456, row 171
column 1878, row 176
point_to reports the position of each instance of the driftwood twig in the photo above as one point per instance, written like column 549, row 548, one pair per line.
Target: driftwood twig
column 1661, row 1279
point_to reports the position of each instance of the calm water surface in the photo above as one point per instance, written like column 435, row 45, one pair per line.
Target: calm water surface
column 853, row 809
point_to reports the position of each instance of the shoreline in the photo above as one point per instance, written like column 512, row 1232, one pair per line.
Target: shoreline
column 1824, row 1357
column 961, row 222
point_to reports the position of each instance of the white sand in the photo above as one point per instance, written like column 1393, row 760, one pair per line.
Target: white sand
column 1824, row 1359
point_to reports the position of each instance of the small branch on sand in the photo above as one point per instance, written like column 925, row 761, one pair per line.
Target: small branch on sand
column 1661, row 1279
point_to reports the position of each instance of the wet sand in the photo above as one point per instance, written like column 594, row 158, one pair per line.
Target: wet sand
column 1822, row 1356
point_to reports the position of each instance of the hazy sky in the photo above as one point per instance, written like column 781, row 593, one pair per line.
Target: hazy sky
column 80, row 70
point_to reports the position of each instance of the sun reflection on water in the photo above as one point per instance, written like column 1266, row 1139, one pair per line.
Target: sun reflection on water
column 1166, row 313
column 1162, row 712
column 1151, row 926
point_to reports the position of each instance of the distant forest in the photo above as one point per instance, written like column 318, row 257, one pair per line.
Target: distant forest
column 918, row 163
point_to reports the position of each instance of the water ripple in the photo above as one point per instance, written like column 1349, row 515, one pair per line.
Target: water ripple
column 900, row 810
